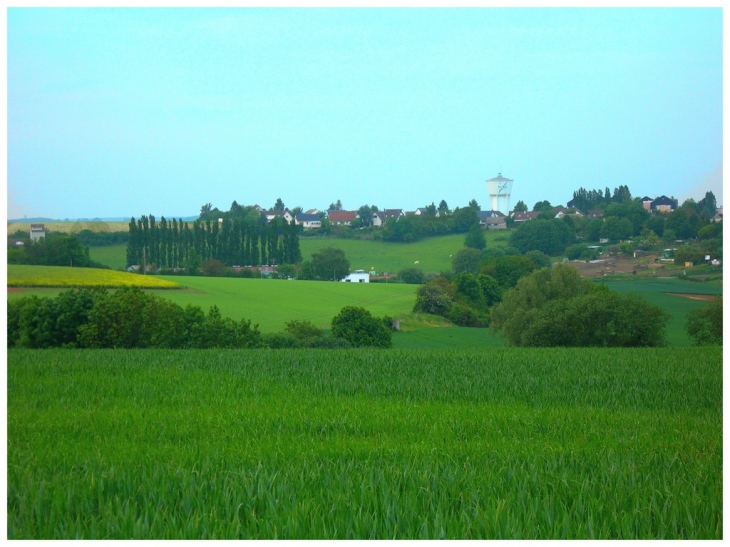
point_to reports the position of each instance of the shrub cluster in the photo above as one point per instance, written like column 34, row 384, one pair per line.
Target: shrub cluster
column 556, row 307
column 125, row 318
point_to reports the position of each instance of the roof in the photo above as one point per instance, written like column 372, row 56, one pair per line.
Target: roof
column 500, row 178
column 525, row 215
column 393, row 212
column 495, row 220
column 646, row 198
column 342, row 216
column 483, row 215
column 304, row 217
column 37, row 227
column 311, row 211
column 664, row 200
column 595, row 213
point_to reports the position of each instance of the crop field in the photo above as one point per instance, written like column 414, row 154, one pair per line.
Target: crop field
column 114, row 256
column 72, row 227
column 471, row 444
column 67, row 277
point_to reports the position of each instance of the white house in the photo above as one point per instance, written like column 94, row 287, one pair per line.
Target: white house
column 358, row 276
column 308, row 221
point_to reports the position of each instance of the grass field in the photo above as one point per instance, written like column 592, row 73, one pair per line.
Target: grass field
column 433, row 254
column 67, row 277
column 547, row 443
column 271, row 303
column 663, row 292
column 114, row 256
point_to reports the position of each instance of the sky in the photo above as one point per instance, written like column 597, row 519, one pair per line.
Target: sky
column 123, row 112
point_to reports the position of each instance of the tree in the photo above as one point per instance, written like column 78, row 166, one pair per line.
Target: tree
column 443, row 208
column 542, row 206
column 707, row 206
column 335, row 206
column 360, row 328
column 549, row 236
column 474, row 205
column 205, row 210
column 704, row 325
column 520, row 207
column 279, row 205
column 463, row 219
column 212, row 268
column 365, row 213
column 475, row 238
column 556, row 307
column 411, row 276
column 434, row 297
column 330, row 264
column 466, row 260
column 296, row 211
column 431, row 210
column 508, row 269
column 539, row 259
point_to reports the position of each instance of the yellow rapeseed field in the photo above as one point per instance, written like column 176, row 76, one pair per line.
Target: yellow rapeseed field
column 64, row 276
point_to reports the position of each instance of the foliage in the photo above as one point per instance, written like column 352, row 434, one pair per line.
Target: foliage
column 466, row 260
column 126, row 318
column 412, row 276
column 539, row 259
column 556, row 307
column 549, row 236
column 475, row 238
column 212, row 268
column 520, row 207
column 434, row 297
column 508, row 269
column 60, row 250
column 463, row 219
column 704, row 325
column 710, row 231
column 360, row 328
column 243, row 238
column 330, row 264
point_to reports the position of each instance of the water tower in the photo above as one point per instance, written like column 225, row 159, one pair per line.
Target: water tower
column 499, row 189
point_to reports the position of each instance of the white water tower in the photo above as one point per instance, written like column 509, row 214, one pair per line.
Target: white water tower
column 499, row 189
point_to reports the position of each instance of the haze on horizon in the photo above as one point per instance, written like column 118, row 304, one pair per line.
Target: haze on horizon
column 129, row 111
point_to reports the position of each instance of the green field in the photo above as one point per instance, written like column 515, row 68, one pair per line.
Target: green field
column 660, row 291
column 114, row 256
column 499, row 443
column 433, row 254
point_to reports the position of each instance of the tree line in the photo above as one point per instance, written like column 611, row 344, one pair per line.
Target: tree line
column 131, row 318
column 232, row 241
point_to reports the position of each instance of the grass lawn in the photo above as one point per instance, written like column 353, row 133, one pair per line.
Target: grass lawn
column 433, row 254
column 273, row 302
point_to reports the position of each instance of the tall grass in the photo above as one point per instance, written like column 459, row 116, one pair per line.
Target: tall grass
column 365, row 444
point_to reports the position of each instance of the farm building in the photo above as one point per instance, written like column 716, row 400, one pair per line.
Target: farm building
column 358, row 276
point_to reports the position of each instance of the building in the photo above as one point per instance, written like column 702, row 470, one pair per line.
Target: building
column 664, row 204
column 492, row 220
column 500, row 189
column 308, row 222
column 358, row 276
column 522, row 216
column 342, row 217
column 285, row 214
column 646, row 202
column 37, row 231
column 381, row 217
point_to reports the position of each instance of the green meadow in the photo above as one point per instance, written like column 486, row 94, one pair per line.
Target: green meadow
column 351, row 444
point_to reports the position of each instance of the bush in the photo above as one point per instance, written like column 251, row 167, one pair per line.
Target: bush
column 411, row 276
column 704, row 325
column 360, row 328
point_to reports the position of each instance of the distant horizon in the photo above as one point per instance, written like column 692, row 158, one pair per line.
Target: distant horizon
column 113, row 110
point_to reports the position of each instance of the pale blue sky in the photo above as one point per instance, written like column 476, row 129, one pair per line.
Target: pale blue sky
column 123, row 112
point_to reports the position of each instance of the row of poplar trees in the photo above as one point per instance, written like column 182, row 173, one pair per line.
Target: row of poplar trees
column 179, row 244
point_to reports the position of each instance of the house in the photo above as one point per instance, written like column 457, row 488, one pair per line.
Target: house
column 595, row 213
column 664, row 204
column 646, row 202
column 342, row 217
column 495, row 223
column 718, row 215
column 312, row 212
column 358, row 276
column 492, row 220
column 37, row 231
column 522, row 216
column 381, row 217
column 15, row 243
column 285, row 214
column 308, row 221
